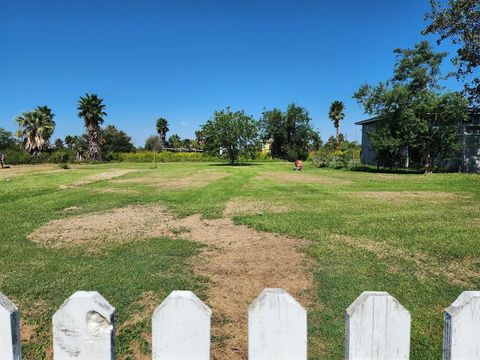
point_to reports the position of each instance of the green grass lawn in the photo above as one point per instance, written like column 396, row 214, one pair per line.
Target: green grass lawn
column 416, row 237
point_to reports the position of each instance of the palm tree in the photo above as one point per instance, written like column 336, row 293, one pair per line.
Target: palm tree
column 336, row 114
column 162, row 129
column 91, row 109
column 36, row 128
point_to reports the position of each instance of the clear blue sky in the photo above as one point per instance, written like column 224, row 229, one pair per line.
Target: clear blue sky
column 183, row 59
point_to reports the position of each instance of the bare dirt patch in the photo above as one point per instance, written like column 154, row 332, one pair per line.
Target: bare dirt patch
column 240, row 206
column 240, row 261
column 464, row 272
column 301, row 177
column 197, row 179
column 17, row 170
column 101, row 228
column 98, row 177
column 407, row 195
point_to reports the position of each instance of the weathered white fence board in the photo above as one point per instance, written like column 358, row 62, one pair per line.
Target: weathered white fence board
column 10, row 348
column 181, row 328
column 461, row 339
column 84, row 328
column 277, row 327
column 377, row 328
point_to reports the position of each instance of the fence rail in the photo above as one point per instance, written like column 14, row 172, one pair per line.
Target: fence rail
column 377, row 328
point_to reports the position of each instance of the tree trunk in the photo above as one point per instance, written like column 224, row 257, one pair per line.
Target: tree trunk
column 336, row 136
column 93, row 148
column 428, row 164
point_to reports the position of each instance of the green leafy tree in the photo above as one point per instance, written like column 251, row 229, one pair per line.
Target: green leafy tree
column 114, row 140
column 187, row 143
column 70, row 141
column 336, row 114
column 231, row 133
column 199, row 140
column 175, row 142
column 290, row 132
column 35, row 129
column 59, row 144
column 6, row 139
column 458, row 20
column 153, row 143
column 92, row 110
column 413, row 111
column 162, row 129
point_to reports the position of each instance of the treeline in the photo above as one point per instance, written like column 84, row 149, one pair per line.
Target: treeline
column 232, row 135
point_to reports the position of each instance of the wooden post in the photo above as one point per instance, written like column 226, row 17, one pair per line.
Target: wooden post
column 10, row 346
column 461, row 337
column 181, row 328
column 377, row 328
column 277, row 327
column 84, row 328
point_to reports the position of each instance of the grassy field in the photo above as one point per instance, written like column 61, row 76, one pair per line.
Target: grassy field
column 414, row 236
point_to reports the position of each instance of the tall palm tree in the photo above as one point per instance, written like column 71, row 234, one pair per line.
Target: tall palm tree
column 36, row 128
column 91, row 109
column 162, row 129
column 336, row 114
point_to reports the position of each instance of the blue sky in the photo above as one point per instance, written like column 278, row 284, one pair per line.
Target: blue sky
column 184, row 59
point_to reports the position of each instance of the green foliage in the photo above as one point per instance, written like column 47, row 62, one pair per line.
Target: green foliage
column 92, row 110
column 336, row 114
column 162, row 129
column 153, row 143
column 59, row 144
column 458, row 21
column 165, row 156
column 35, row 129
column 114, row 140
column 233, row 134
column 412, row 111
column 345, row 154
column 175, row 142
column 291, row 133
column 418, row 68
column 6, row 139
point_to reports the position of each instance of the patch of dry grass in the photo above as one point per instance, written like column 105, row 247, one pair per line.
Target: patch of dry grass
column 301, row 177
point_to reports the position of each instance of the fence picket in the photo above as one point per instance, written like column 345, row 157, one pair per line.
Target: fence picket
column 10, row 347
column 462, row 328
column 377, row 328
column 181, row 328
column 84, row 328
column 277, row 327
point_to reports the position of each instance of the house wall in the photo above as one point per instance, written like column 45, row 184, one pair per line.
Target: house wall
column 468, row 160
column 471, row 140
column 368, row 155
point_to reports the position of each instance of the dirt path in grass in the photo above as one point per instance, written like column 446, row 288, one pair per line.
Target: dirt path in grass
column 239, row 260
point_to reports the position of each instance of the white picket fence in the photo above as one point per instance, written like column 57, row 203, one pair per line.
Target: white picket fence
column 377, row 327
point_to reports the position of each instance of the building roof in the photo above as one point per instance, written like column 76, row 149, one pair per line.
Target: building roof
column 474, row 118
column 367, row 121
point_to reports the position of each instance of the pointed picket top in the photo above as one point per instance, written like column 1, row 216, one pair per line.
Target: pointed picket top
column 462, row 328
column 10, row 344
column 181, row 328
column 84, row 328
column 277, row 327
column 377, row 328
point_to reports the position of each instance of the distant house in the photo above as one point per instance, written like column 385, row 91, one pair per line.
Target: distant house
column 468, row 159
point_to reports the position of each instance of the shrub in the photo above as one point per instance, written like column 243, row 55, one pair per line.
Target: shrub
column 166, row 156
